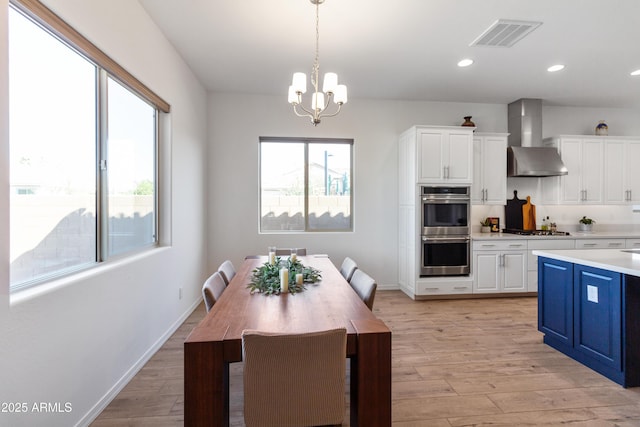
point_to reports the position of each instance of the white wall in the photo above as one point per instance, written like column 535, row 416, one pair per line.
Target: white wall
column 83, row 338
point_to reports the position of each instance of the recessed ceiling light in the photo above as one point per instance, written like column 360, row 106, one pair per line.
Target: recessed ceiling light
column 465, row 62
column 635, row 73
column 555, row 68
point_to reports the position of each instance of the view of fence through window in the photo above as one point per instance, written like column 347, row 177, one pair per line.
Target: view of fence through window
column 54, row 160
column 305, row 185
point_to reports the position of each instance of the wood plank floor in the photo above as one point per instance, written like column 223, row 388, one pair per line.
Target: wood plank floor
column 455, row 363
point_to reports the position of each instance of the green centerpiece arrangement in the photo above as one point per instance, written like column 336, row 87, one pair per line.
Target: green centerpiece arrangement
column 267, row 278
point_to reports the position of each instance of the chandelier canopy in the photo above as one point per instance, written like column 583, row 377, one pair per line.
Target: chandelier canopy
column 331, row 90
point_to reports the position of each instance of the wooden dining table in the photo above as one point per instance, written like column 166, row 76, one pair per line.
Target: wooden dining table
column 330, row 303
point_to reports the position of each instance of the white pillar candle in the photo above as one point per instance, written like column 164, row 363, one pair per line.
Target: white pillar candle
column 299, row 278
column 272, row 255
column 284, row 280
column 294, row 255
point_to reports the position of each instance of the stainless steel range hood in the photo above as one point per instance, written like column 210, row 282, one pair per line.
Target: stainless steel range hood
column 526, row 156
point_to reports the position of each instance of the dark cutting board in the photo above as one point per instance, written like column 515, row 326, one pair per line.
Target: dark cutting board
column 513, row 212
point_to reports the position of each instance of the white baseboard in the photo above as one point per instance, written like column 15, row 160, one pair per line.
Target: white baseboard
column 93, row 413
column 393, row 287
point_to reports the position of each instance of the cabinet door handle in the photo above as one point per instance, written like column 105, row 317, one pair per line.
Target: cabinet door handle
column 516, row 245
column 614, row 244
column 589, row 244
column 487, row 245
column 460, row 287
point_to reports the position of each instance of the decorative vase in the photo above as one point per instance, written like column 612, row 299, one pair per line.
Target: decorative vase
column 486, row 229
column 468, row 122
column 602, row 129
column 586, row 227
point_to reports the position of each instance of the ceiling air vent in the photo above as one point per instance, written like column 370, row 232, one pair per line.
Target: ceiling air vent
column 505, row 33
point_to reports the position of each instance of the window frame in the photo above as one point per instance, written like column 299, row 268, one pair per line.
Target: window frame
column 106, row 68
column 306, row 141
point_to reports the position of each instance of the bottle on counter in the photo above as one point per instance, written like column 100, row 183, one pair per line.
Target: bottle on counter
column 545, row 224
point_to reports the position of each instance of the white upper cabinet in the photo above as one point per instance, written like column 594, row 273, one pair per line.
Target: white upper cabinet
column 489, row 169
column 583, row 157
column 622, row 174
column 445, row 155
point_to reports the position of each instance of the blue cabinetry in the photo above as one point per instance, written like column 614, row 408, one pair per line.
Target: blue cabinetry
column 591, row 315
column 597, row 323
column 555, row 301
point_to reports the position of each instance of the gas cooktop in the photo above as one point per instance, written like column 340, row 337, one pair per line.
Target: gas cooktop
column 534, row 232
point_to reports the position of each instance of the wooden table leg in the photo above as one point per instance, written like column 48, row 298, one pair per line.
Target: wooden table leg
column 206, row 384
column 371, row 375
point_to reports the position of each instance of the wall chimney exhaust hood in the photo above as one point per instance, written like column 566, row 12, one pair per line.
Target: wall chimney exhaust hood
column 526, row 156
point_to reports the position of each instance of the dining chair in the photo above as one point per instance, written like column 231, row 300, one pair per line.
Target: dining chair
column 365, row 286
column 287, row 251
column 212, row 289
column 227, row 270
column 347, row 268
column 294, row 379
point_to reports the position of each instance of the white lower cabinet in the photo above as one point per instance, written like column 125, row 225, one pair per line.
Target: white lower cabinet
column 532, row 261
column 632, row 244
column 443, row 286
column 499, row 267
column 600, row 243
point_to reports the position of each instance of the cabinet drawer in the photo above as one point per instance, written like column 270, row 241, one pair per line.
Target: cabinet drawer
column 501, row 245
column 632, row 244
column 443, row 288
column 600, row 244
column 546, row 244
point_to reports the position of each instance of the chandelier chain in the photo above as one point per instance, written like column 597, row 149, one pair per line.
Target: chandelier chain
column 316, row 62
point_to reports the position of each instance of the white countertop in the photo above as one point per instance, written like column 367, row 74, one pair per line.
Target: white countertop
column 607, row 259
column 573, row 235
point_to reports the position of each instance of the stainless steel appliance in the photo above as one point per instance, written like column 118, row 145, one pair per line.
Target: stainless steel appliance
column 445, row 239
column 526, row 154
column 535, row 232
column 445, row 211
column 446, row 256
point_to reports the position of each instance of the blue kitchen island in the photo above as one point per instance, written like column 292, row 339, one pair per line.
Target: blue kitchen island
column 589, row 308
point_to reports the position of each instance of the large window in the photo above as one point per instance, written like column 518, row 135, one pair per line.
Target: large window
column 82, row 156
column 305, row 184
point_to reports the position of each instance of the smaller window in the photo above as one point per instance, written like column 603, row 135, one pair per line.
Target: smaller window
column 305, row 184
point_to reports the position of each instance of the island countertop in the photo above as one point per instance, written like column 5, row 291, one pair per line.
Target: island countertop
column 625, row 261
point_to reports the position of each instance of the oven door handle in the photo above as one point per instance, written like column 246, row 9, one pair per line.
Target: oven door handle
column 428, row 239
column 445, row 200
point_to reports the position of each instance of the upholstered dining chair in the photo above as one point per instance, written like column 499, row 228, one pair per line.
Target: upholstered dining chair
column 212, row 289
column 347, row 268
column 294, row 379
column 287, row 251
column 365, row 286
column 227, row 270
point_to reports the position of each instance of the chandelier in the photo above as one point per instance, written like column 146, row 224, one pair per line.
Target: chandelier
column 319, row 100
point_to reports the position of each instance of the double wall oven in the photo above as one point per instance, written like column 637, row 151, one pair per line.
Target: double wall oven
column 446, row 232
